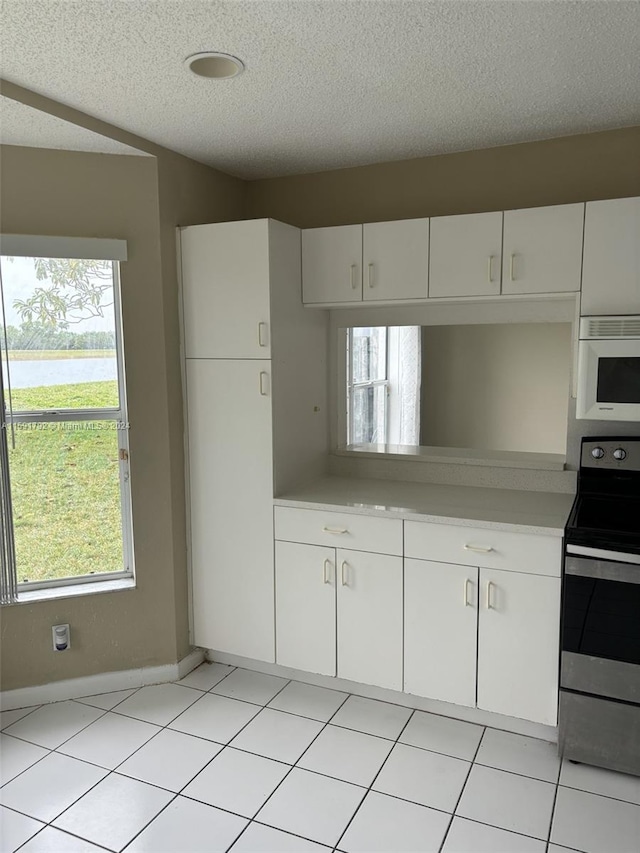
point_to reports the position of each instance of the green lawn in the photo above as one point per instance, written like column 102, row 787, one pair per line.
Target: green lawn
column 66, row 488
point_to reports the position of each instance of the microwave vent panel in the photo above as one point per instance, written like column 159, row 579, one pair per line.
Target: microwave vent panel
column 610, row 327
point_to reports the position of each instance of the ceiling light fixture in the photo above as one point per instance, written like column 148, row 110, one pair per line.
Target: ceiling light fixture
column 215, row 66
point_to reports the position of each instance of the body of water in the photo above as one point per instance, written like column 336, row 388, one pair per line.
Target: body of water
column 62, row 371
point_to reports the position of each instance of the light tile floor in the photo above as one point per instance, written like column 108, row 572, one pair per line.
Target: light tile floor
column 229, row 759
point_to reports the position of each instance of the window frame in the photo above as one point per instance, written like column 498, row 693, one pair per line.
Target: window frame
column 369, row 383
column 118, row 415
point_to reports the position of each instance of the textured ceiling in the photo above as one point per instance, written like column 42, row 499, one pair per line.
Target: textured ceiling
column 332, row 83
column 22, row 125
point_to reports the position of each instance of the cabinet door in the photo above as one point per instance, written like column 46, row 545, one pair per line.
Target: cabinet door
column 231, row 494
column 370, row 618
column 332, row 264
column 518, row 645
column 396, row 259
column 440, row 631
column 611, row 271
column 306, row 607
column 542, row 251
column 465, row 255
column 225, row 287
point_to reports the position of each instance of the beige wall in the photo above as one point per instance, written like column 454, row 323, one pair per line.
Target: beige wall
column 140, row 199
column 556, row 171
column 496, row 387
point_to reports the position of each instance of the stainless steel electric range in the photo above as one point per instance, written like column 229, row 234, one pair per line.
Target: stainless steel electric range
column 599, row 716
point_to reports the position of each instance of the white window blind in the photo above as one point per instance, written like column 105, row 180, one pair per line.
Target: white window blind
column 37, row 246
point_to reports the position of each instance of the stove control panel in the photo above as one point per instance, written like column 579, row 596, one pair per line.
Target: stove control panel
column 611, row 453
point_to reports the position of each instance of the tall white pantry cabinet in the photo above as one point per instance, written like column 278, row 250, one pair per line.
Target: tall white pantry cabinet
column 255, row 391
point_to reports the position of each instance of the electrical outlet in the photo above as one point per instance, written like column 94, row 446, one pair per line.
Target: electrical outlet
column 61, row 638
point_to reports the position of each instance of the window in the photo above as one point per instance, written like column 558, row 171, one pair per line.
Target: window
column 367, row 385
column 66, row 451
column 383, row 385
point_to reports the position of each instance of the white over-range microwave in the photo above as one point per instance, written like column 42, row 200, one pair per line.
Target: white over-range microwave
column 609, row 369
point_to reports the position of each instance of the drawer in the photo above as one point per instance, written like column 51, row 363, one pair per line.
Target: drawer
column 475, row 546
column 339, row 530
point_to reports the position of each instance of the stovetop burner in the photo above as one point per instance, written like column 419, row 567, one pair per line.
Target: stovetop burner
column 606, row 512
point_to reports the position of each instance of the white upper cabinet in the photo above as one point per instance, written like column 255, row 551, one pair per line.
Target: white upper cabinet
column 465, row 255
column 542, row 250
column 332, row 264
column 611, row 271
column 225, row 286
column 396, row 260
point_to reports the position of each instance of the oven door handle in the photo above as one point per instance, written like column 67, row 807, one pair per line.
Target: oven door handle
column 599, row 569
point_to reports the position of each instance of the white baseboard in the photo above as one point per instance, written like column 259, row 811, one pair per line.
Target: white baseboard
column 105, row 682
column 407, row 700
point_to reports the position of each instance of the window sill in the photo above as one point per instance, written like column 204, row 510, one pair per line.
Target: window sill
column 457, row 456
column 75, row 590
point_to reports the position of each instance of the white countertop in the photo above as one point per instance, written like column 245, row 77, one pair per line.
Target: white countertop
column 468, row 506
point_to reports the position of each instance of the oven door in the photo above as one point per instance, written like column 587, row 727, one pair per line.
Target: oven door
column 609, row 380
column 601, row 624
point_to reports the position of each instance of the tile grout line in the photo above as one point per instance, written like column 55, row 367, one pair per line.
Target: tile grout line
column 553, row 807
column 109, row 771
column 295, row 765
column 224, row 746
column 368, row 790
column 65, row 832
column 51, row 750
column 455, row 808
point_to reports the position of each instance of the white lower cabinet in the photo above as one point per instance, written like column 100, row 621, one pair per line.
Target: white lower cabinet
column 306, row 607
column 370, row 618
column 483, row 637
column 518, row 642
column 339, row 612
column 470, row 635
column 440, row 631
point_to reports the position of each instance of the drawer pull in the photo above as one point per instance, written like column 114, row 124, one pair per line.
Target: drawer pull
column 345, row 566
column 335, row 530
column 490, row 586
column 325, row 575
column 262, row 327
column 478, row 549
column 370, row 281
column 353, row 271
column 467, row 603
column 490, row 269
column 263, row 383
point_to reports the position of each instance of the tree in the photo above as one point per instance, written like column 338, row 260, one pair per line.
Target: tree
column 74, row 292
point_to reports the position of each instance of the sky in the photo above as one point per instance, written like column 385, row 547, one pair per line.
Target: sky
column 19, row 281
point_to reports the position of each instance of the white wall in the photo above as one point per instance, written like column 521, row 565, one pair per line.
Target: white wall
column 496, row 387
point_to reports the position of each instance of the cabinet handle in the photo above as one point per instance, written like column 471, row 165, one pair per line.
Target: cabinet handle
column 325, row 576
column 335, row 530
column 511, row 266
column 263, row 375
column 261, row 326
column 478, row 549
column 370, row 275
column 343, row 571
column 353, row 271
column 466, row 593
column 490, row 586
column 490, row 269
